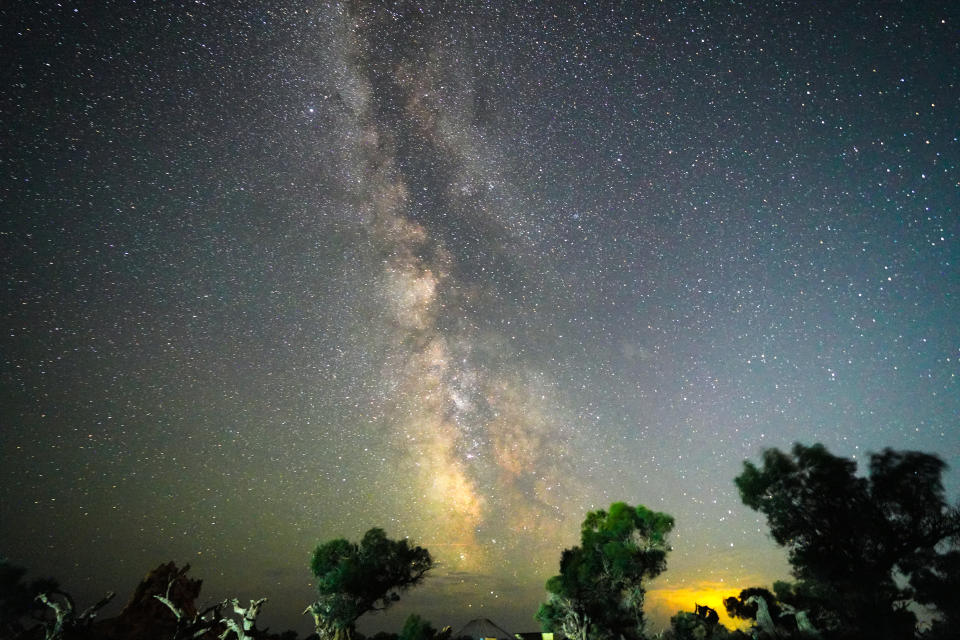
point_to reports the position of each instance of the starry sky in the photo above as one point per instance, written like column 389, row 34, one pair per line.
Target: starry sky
column 278, row 272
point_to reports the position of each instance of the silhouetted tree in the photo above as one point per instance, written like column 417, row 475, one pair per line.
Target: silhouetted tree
column 707, row 614
column 806, row 597
column 18, row 599
column 850, row 537
column 773, row 615
column 67, row 622
column 417, row 628
column 353, row 579
column 699, row 626
column 738, row 607
column 600, row 590
column 937, row 585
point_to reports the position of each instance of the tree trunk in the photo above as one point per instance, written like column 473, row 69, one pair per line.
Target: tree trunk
column 343, row 634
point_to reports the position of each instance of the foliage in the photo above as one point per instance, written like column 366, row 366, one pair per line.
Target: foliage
column 859, row 546
column 937, row 585
column 691, row 626
column 738, row 607
column 599, row 592
column 688, row 626
column 353, row 579
column 807, row 596
column 785, row 615
column 416, row 628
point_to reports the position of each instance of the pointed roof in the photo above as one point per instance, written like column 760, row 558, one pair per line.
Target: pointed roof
column 483, row 628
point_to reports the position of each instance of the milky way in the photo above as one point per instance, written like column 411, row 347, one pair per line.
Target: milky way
column 480, row 450
column 464, row 271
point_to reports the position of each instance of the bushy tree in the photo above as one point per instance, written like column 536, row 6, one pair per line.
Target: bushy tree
column 784, row 615
column 600, row 590
column 353, row 579
column 738, row 607
column 692, row 626
column 937, row 585
column 859, row 546
column 417, row 628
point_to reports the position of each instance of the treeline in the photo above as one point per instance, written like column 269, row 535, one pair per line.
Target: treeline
column 868, row 552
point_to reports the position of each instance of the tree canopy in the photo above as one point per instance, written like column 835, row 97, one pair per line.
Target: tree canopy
column 600, row 589
column 353, row 579
column 738, row 607
column 861, row 547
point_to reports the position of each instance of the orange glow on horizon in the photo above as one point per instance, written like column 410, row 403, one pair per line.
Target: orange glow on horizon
column 663, row 603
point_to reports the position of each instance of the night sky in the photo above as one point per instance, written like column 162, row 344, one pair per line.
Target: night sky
column 278, row 272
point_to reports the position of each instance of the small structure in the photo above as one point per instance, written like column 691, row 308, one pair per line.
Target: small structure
column 483, row 629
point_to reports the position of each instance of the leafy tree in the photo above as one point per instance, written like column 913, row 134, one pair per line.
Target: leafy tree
column 806, row 597
column 692, row 626
column 600, row 590
column 417, row 628
column 773, row 616
column 937, row 585
column 738, row 607
column 858, row 545
column 353, row 579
